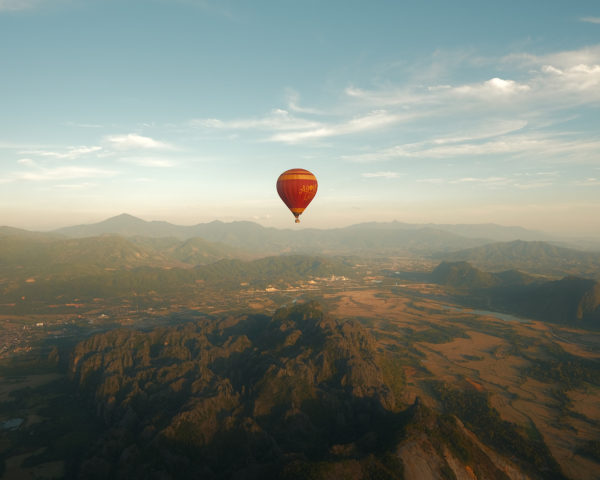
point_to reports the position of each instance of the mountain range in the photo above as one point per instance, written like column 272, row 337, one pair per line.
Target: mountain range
column 383, row 238
column 129, row 242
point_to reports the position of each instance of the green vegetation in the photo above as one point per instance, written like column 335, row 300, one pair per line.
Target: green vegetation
column 65, row 427
column 224, row 275
column 438, row 334
column 258, row 386
column 472, row 357
column 564, row 369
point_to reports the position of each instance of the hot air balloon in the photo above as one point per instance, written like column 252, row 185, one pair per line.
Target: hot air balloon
column 297, row 187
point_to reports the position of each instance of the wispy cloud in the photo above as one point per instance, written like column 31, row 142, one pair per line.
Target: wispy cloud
column 75, row 186
column 373, row 120
column 555, row 81
column 405, row 95
column 133, row 141
column 484, row 180
column 69, row 153
column 493, row 182
column 155, row 162
column 490, row 89
column 535, row 144
column 292, row 129
column 588, row 182
column 276, row 120
column 490, row 129
column 63, row 173
column 382, row 175
column 26, row 161
column 14, row 5
column 293, row 99
column 591, row 20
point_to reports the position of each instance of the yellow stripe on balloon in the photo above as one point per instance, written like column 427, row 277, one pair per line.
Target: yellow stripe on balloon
column 297, row 210
column 297, row 176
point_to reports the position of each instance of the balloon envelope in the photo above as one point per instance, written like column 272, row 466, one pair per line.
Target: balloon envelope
column 297, row 187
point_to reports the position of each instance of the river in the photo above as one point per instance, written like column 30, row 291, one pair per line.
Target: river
column 501, row 316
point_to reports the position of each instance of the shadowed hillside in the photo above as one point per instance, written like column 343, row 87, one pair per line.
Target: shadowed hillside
column 571, row 300
column 293, row 396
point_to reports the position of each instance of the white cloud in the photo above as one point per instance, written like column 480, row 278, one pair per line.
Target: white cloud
column 436, row 95
column 561, row 79
column 63, row 173
column 372, row 121
column 293, row 99
column 404, row 96
column 133, row 141
column 576, row 78
column 590, row 20
column 276, row 120
column 26, row 161
column 14, row 5
column 588, row 182
column 490, row 88
column 550, row 148
column 539, row 83
column 382, row 175
column 70, row 153
column 486, row 180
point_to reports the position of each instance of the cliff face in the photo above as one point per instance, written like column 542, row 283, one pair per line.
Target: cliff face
column 296, row 395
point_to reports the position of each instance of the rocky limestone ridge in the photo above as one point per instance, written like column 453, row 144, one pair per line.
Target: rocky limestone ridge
column 296, row 395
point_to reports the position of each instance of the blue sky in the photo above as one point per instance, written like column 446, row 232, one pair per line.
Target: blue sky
column 188, row 111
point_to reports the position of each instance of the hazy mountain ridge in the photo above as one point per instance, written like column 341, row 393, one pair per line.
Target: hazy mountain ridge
column 192, row 251
column 42, row 254
column 374, row 237
column 570, row 300
column 536, row 257
column 296, row 395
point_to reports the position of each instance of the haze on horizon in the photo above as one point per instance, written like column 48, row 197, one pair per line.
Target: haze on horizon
column 188, row 110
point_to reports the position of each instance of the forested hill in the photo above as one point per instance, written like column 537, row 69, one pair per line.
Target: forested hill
column 570, row 300
column 222, row 275
column 294, row 396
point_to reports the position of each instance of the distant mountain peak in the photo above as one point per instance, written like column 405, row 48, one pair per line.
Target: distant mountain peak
column 123, row 217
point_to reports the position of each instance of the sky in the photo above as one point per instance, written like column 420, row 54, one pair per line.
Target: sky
column 188, row 110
